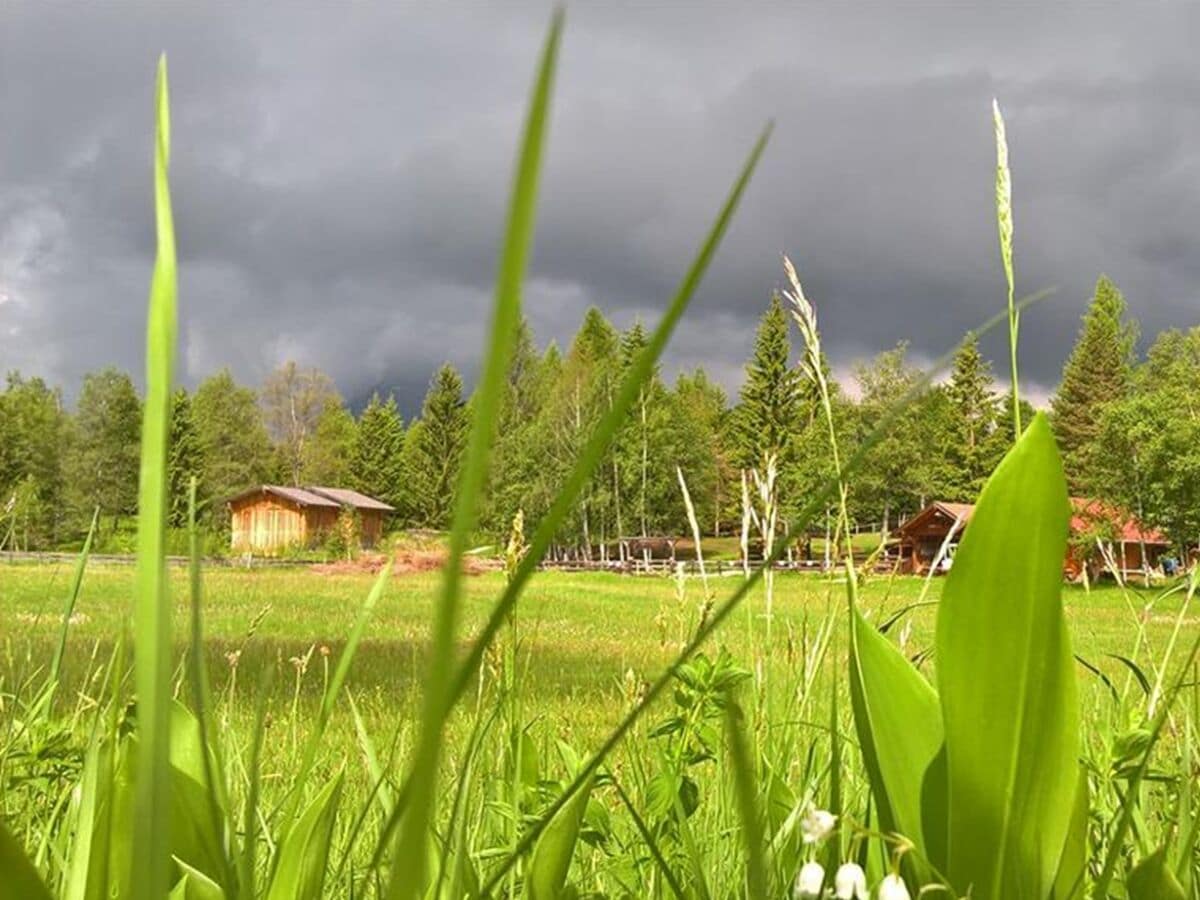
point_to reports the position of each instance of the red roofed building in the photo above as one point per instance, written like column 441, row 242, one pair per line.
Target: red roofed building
column 1102, row 537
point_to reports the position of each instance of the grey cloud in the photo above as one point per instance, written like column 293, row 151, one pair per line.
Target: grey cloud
column 340, row 173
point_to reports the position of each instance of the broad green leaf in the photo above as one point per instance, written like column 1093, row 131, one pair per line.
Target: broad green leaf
column 899, row 726
column 551, row 859
column 152, row 606
column 18, row 878
column 195, row 885
column 1007, row 682
column 303, row 857
column 89, row 847
column 1152, row 879
column 1068, row 883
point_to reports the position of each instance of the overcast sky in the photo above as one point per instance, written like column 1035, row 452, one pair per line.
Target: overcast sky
column 340, row 172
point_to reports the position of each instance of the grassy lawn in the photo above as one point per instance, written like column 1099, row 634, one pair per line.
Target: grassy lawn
column 579, row 633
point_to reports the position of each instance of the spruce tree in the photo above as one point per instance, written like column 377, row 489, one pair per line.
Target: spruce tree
column 1098, row 371
column 376, row 464
column 439, row 449
column 769, row 400
column 972, row 410
column 184, row 460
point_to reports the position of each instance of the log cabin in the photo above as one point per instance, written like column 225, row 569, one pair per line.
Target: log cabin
column 1098, row 530
column 272, row 518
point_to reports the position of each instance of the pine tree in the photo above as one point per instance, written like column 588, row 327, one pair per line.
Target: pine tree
column 441, row 441
column 972, row 412
column 376, row 464
column 1098, row 371
column 184, row 460
column 770, row 396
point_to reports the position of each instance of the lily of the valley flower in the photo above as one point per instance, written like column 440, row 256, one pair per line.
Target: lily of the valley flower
column 809, row 881
column 817, row 825
column 892, row 888
column 850, row 882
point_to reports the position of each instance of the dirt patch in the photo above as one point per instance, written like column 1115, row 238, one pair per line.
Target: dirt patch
column 408, row 561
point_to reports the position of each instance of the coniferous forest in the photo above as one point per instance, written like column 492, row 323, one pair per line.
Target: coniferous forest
column 1128, row 425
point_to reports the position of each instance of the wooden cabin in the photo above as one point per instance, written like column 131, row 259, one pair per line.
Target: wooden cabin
column 272, row 518
column 1097, row 529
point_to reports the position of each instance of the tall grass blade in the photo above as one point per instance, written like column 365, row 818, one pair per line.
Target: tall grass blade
column 747, row 798
column 1007, row 680
column 72, row 599
column 152, row 607
column 410, row 860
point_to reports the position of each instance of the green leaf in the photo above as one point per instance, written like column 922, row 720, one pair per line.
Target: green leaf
column 899, row 726
column 18, row 878
column 195, row 885
column 551, row 859
column 1068, row 884
column 1007, row 682
column 89, row 846
column 152, row 606
column 1152, row 879
column 304, row 854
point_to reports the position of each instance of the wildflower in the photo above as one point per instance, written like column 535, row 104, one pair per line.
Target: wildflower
column 850, row 882
column 809, row 881
column 232, row 658
column 817, row 825
column 892, row 888
column 324, row 650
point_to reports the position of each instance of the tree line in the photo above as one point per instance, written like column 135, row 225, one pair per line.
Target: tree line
column 1129, row 429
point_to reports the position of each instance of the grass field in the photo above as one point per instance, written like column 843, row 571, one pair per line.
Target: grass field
column 587, row 643
column 580, row 634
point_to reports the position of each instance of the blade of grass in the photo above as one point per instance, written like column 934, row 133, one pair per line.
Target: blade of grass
column 747, row 797
column 410, row 862
column 815, row 507
column 72, row 599
column 214, row 777
column 152, row 608
column 593, row 452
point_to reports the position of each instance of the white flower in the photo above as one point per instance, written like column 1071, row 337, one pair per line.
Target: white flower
column 817, row 825
column 892, row 888
column 850, row 882
column 809, row 881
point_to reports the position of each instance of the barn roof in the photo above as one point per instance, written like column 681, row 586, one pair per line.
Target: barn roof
column 347, row 497
column 1085, row 514
column 330, row 498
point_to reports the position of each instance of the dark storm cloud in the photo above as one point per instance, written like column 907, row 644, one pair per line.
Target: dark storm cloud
column 340, row 175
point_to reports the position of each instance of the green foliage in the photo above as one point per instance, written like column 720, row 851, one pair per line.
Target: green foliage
column 377, row 456
column 294, row 402
column 972, row 426
column 767, row 406
column 184, row 459
column 1098, row 372
column 102, row 469
column 34, row 441
column 434, row 450
column 234, row 446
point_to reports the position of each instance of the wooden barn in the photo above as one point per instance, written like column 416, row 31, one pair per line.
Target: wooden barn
column 1097, row 529
column 271, row 518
